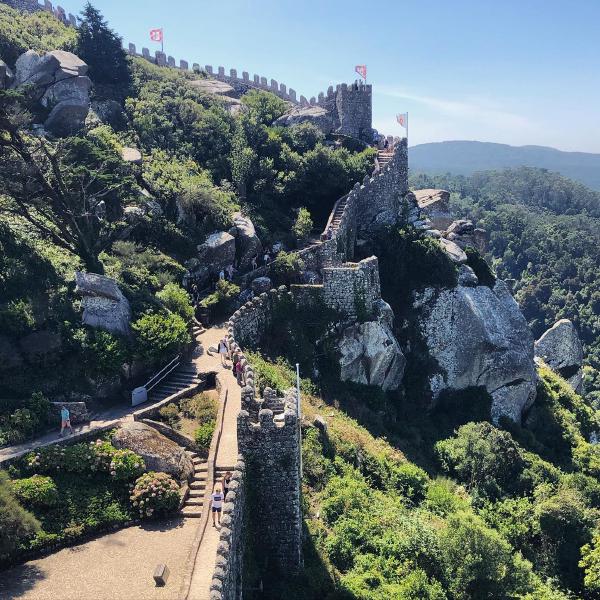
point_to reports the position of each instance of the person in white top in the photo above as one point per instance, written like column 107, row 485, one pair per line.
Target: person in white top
column 223, row 351
column 216, row 501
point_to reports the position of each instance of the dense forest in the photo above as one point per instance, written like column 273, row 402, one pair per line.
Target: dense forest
column 544, row 233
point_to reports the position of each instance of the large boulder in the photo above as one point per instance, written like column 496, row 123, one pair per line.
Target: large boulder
column 479, row 338
column 247, row 244
column 435, row 204
column 560, row 348
column 6, row 75
column 370, row 354
column 215, row 254
column 317, row 115
column 104, row 305
column 59, row 82
column 159, row 452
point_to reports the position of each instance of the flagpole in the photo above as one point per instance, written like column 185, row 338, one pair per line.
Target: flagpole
column 162, row 42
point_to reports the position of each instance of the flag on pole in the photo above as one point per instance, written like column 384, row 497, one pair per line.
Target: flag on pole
column 402, row 118
column 361, row 70
column 156, row 35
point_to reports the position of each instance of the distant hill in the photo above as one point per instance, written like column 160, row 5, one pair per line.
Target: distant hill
column 464, row 158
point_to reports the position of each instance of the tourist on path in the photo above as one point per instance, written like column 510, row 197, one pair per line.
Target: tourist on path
column 223, row 351
column 253, row 264
column 225, row 483
column 65, row 420
column 239, row 372
column 216, row 501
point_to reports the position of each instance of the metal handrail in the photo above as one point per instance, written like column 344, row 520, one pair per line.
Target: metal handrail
column 167, row 370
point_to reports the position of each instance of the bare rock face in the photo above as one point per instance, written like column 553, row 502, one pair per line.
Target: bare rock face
column 463, row 233
column 454, row 251
column 6, row 76
column 560, row 348
column 317, row 115
column 59, row 82
column 215, row 254
column 435, row 204
column 370, row 354
column 159, row 452
column 261, row 284
column 104, row 305
column 247, row 244
column 479, row 338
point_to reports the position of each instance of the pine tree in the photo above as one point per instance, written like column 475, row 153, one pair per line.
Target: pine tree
column 100, row 47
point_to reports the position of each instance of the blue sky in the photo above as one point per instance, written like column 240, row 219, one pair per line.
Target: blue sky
column 511, row 71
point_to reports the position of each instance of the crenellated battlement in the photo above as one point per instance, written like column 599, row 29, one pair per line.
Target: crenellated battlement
column 35, row 6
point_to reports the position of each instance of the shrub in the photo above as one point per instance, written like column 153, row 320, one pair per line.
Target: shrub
column 222, row 298
column 170, row 414
column 201, row 407
column 410, row 480
column 444, row 497
column 160, row 336
column 287, row 267
column 302, row 225
column 177, row 300
column 37, row 491
column 16, row 317
column 16, row 524
column 126, row 465
column 487, row 460
column 104, row 353
column 203, row 435
column 264, row 106
column 590, row 562
column 155, row 494
column 417, row 586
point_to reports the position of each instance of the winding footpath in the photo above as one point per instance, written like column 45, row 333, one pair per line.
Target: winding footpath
column 119, row 565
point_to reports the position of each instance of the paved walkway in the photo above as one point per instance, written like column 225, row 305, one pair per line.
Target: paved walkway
column 119, row 565
column 226, row 457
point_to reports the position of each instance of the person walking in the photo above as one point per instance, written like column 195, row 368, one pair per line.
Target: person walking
column 253, row 264
column 225, row 483
column 216, row 501
column 65, row 420
column 239, row 372
column 223, row 351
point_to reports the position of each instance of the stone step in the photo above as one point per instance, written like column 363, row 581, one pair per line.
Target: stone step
column 197, row 460
column 198, row 485
column 196, row 494
column 192, row 512
column 199, row 464
column 194, row 502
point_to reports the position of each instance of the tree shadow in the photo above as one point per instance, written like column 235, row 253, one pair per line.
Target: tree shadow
column 17, row 581
column 167, row 524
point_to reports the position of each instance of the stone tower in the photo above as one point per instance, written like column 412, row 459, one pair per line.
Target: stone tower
column 354, row 107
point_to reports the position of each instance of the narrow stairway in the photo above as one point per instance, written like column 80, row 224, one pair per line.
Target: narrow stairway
column 384, row 157
column 193, row 504
column 338, row 212
column 185, row 376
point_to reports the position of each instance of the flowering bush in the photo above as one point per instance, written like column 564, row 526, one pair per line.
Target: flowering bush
column 96, row 457
column 126, row 465
column 155, row 493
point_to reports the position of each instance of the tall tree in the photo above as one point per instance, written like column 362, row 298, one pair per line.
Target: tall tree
column 101, row 48
column 70, row 191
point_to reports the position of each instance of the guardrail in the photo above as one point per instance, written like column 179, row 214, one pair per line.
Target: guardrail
column 140, row 394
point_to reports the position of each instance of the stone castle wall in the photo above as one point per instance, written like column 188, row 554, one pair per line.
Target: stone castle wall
column 34, row 6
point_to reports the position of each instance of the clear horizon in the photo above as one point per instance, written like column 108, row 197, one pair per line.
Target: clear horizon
column 467, row 70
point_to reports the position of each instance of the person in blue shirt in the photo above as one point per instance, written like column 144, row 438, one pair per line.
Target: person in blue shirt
column 65, row 420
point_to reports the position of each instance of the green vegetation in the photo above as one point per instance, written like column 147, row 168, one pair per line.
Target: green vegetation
column 302, row 225
column 159, row 336
column 544, row 235
column 22, row 421
column 155, row 494
column 286, row 268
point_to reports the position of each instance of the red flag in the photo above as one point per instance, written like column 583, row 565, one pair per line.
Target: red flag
column 156, row 35
column 402, row 119
column 361, row 70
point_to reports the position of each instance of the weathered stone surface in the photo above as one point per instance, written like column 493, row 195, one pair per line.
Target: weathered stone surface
column 108, row 112
column 6, row 75
column 560, row 348
column 41, row 347
column 159, row 452
column 466, row 276
column 370, row 354
column 247, row 244
column 131, row 155
column 212, row 86
column 435, row 204
column 104, row 305
column 59, row 82
column 479, row 337
column 216, row 253
column 261, row 284
column 455, row 252
column 317, row 115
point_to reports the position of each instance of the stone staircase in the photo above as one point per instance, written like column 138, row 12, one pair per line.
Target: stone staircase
column 384, row 157
column 337, row 213
column 186, row 375
column 193, row 504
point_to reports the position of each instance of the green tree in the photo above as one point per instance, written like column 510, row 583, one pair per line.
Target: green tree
column 177, row 300
column 287, row 267
column 160, row 336
column 69, row 191
column 590, row 562
column 101, row 48
column 264, row 106
column 302, row 225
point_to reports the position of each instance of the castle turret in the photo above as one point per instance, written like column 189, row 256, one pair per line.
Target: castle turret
column 354, row 106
